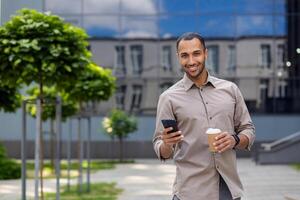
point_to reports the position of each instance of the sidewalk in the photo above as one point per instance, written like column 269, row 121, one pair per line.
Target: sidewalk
column 152, row 180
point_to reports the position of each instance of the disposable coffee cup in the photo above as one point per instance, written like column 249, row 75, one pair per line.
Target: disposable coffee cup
column 211, row 135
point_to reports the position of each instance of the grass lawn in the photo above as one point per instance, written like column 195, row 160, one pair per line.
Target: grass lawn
column 49, row 172
column 99, row 191
column 296, row 166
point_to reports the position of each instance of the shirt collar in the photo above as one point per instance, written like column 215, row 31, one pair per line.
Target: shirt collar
column 188, row 83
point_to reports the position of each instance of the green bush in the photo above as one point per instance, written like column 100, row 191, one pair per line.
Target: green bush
column 9, row 169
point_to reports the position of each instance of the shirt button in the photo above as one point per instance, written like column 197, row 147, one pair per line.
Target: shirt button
column 217, row 166
column 210, row 117
column 201, row 89
column 206, row 102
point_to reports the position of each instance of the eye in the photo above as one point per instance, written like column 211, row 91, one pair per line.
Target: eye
column 183, row 56
column 197, row 53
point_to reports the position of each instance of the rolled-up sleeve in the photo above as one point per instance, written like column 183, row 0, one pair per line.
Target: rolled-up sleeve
column 242, row 120
column 164, row 111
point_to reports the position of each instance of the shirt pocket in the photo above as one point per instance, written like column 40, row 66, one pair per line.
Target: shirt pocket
column 222, row 115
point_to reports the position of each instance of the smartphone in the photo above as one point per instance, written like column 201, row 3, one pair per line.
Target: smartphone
column 170, row 123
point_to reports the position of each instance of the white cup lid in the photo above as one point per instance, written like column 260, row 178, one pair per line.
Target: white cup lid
column 213, row 131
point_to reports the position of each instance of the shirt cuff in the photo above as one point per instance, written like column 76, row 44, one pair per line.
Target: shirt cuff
column 250, row 135
column 157, row 150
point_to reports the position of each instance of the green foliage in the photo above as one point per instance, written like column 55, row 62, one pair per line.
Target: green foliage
column 119, row 124
column 9, row 169
column 41, row 47
column 69, row 107
column 95, row 84
column 10, row 98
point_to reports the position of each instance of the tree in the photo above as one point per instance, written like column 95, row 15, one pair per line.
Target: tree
column 119, row 124
column 95, row 84
column 69, row 108
column 10, row 98
column 41, row 48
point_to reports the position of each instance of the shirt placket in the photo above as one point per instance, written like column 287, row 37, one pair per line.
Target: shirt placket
column 209, row 118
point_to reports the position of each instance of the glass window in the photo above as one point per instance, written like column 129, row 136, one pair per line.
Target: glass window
column 120, row 97
column 136, row 52
column 139, row 27
column 63, row 6
column 138, row 7
column 212, row 62
column 265, row 56
column 136, row 98
column 231, row 59
column 256, row 6
column 214, row 7
column 217, row 25
column 101, row 26
column 258, row 25
column 101, row 7
column 280, row 55
column 175, row 25
column 120, row 67
column 179, row 7
column 166, row 57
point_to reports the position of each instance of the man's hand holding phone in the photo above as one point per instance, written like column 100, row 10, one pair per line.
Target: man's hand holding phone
column 170, row 135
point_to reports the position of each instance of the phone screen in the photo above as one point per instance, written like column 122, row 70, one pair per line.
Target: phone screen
column 170, row 123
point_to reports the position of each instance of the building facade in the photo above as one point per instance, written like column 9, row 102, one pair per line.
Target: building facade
column 146, row 67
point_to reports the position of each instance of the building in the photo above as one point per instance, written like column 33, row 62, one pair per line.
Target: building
column 146, row 67
column 9, row 7
column 293, row 49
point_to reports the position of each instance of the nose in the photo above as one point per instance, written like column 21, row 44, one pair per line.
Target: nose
column 191, row 61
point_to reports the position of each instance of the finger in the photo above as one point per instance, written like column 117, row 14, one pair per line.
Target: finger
column 221, row 135
column 174, row 134
column 225, row 148
column 174, row 140
column 222, row 145
column 170, row 135
column 222, row 140
column 166, row 130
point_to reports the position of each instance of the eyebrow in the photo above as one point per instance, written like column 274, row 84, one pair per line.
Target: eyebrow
column 197, row 50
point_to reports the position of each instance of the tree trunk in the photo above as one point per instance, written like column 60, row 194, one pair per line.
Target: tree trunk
column 80, row 148
column 52, row 133
column 41, row 138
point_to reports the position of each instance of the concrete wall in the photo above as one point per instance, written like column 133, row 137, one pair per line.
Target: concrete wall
column 138, row 144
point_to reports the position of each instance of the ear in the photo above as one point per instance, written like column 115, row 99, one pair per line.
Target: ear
column 205, row 53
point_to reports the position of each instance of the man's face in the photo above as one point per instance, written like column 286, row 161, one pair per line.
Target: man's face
column 192, row 56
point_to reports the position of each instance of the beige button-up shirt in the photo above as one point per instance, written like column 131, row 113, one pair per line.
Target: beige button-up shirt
column 218, row 104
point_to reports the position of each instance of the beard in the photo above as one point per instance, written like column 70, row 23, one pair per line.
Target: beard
column 198, row 72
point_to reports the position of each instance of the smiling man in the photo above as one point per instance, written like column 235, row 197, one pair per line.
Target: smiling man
column 197, row 102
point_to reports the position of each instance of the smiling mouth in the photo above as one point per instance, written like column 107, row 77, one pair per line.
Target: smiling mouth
column 192, row 69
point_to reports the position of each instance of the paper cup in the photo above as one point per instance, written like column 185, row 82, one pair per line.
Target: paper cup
column 211, row 134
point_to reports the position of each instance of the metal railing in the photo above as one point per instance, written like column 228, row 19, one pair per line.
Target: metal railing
column 270, row 146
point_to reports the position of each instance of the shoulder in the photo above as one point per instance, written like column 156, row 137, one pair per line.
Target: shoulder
column 178, row 87
column 224, row 84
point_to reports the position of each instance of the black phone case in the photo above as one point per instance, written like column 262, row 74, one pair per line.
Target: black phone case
column 170, row 123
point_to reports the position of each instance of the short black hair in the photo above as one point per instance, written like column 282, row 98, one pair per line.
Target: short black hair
column 190, row 36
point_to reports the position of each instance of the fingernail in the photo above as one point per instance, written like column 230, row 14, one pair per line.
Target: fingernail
column 216, row 138
column 179, row 131
column 182, row 136
column 214, row 144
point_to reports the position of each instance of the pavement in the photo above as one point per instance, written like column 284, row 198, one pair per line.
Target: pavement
column 152, row 180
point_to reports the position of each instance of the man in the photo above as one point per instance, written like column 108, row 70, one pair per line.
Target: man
column 197, row 102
